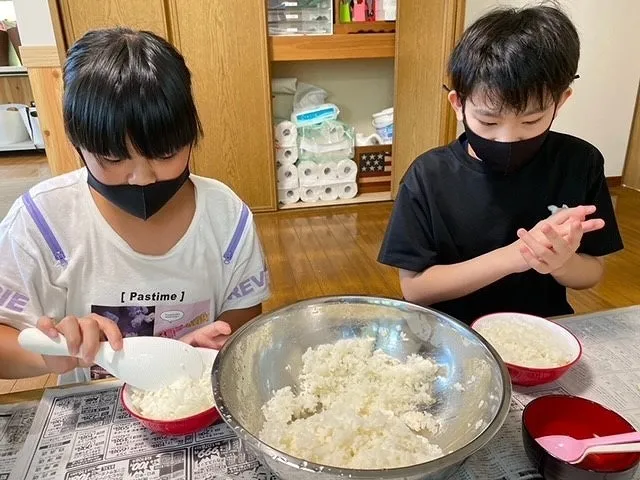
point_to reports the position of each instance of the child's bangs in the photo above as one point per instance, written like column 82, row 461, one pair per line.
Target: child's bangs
column 157, row 123
column 519, row 99
column 160, row 119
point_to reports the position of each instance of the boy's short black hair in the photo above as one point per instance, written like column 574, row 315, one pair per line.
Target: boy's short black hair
column 121, row 83
column 517, row 57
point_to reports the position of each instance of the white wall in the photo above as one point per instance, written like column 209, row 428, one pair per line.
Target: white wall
column 34, row 22
column 601, row 109
column 7, row 12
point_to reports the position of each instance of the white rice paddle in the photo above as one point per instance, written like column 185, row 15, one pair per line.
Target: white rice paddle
column 147, row 363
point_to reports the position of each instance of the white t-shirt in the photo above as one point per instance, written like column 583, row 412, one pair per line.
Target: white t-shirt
column 59, row 257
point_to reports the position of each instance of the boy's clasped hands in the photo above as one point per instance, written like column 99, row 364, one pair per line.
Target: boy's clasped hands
column 552, row 242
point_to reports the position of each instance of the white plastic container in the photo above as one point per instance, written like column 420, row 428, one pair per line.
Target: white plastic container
column 12, row 127
column 386, row 14
column 383, row 123
column 288, row 18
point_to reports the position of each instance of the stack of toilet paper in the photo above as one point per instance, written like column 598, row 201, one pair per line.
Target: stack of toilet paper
column 286, row 143
column 327, row 181
column 307, row 180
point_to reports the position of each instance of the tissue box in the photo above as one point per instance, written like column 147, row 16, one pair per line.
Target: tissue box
column 374, row 168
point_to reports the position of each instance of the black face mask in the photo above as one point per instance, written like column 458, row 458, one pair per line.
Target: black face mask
column 505, row 157
column 141, row 201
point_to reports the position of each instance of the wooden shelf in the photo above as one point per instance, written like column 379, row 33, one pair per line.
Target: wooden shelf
column 365, row 27
column 13, row 71
column 332, row 47
column 361, row 198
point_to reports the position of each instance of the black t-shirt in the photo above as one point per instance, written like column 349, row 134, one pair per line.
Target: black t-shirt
column 451, row 208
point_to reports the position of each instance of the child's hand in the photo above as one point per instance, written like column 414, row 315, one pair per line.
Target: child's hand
column 564, row 217
column 83, row 335
column 564, row 229
column 550, row 253
column 210, row 336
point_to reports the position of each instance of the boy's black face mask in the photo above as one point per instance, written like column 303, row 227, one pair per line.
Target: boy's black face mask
column 505, row 157
column 141, row 201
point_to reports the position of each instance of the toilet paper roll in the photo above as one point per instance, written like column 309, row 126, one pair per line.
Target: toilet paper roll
column 308, row 173
column 347, row 190
column 287, row 185
column 287, row 196
column 327, row 173
column 309, row 194
column 329, row 193
column 347, row 170
column 373, row 139
column 286, row 155
column 286, row 134
column 287, row 176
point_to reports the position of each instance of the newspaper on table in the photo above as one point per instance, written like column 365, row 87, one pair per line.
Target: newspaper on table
column 609, row 373
column 15, row 422
column 83, row 433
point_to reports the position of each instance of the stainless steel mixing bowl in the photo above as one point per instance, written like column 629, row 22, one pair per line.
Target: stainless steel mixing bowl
column 265, row 355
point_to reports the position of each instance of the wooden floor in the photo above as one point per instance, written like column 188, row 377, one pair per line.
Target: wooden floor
column 318, row 252
column 18, row 173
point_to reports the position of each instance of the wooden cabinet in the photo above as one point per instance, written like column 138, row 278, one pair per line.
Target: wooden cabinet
column 226, row 49
column 426, row 34
column 79, row 16
column 229, row 53
column 15, row 90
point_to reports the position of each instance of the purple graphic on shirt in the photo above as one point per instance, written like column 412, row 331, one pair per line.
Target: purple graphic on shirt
column 253, row 284
column 12, row 300
column 133, row 321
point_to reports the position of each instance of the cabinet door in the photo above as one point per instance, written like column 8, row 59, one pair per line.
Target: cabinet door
column 225, row 44
column 425, row 35
column 46, row 83
column 631, row 173
column 81, row 16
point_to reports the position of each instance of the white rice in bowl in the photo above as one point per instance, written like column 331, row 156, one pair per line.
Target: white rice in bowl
column 181, row 399
column 356, row 407
column 526, row 341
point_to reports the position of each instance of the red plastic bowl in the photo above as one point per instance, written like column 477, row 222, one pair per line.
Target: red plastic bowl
column 528, row 376
column 181, row 426
column 579, row 418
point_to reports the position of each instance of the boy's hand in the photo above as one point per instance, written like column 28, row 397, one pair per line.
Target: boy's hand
column 554, row 239
column 551, row 253
column 210, row 336
column 83, row 335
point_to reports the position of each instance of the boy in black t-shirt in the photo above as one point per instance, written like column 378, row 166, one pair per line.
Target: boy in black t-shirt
column 502, row 218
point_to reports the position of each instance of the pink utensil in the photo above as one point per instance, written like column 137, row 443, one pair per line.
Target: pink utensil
column 571, row 450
